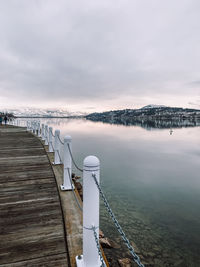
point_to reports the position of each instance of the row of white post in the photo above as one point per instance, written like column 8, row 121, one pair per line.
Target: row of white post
column 19, row 123
column 91, row 166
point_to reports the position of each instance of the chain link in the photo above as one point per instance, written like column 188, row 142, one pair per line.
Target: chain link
column 118, row 226
column 60, row 140
column 52, row 133
column 77, row 201
column 59, row 156
column 98, row 246
column 70, row 152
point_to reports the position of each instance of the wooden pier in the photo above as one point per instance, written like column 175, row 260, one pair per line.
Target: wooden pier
column 33, row 223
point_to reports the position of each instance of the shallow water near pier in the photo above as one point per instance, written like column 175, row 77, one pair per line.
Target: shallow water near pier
column 152, row 181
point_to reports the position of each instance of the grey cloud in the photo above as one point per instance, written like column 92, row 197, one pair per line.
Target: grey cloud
column 76, row 50
column 197, row 83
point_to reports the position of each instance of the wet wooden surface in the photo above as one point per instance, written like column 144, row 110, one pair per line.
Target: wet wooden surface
column 72, row 215
column 31, row 223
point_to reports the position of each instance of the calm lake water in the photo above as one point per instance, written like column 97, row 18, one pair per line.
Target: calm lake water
column 152, row 181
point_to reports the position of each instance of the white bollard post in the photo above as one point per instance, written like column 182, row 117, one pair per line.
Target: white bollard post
column 34, row 127
column 27, row 125
column 67, row 185
column 91, row 165
column 46, row 135
column 43, row 134
column 38, row 129
column 50, row 139
column 56, row 148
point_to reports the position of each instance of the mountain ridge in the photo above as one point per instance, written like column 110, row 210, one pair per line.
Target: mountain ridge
column 150, row 111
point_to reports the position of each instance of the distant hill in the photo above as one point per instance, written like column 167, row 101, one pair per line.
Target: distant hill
column 154, row 115
column 150, row 110
column 44, row 113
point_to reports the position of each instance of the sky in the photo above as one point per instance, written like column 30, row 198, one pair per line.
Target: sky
column 97, row 55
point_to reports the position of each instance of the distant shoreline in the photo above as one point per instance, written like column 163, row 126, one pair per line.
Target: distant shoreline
column 50, row 117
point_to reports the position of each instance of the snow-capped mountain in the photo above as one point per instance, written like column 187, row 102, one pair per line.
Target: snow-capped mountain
column 153, row 106
column 37, row 112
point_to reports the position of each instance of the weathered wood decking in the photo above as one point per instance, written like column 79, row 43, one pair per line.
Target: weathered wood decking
column 31, row 222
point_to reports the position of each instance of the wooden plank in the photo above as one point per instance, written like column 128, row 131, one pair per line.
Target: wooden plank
column 21, row 152
column 50, row 261
column 33, row 184
column 15, row 161
column 31, row 223
column 29, row 174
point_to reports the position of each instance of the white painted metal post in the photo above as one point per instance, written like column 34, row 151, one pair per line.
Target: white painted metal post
column 46, row 135
column 43, row 135
column 67, row 185
column 56, row 148
column 34, row 127
column 38, row 129
column 27, row 125
column 50, row 139
column 91, row 166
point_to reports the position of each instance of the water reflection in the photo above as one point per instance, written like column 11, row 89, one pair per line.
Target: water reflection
column 151, row 179
column 148, row 123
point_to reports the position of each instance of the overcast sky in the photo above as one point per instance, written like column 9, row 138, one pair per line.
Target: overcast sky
column 99, row 54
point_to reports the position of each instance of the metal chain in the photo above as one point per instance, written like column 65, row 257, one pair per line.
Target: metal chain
column 118, row 226
column 78, row 204
column 98, row 246
column 60, row 140
column 59, row 156
column 52, row 133
column 70, row 152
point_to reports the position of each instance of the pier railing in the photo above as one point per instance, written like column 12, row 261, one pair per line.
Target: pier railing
column 92, row 255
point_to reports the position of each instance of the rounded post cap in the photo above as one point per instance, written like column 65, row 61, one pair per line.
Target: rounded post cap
column 91, row 162
column 67, row 138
